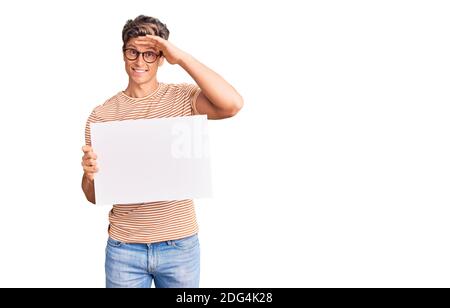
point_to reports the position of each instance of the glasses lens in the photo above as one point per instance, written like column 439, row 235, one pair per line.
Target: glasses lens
column 149, row 56
column 131, row 54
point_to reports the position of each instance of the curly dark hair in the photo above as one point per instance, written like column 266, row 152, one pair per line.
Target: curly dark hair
column 143, row 25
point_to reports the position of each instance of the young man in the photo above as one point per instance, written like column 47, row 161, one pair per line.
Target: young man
column 157, row 240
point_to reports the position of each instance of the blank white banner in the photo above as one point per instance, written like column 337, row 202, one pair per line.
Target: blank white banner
column 151, row 160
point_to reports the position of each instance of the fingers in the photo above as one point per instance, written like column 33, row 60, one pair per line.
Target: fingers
column 90, row 169
column 90, row 155
column 86, row 148
column 149, row 37
column 145, row 40
column 88, row 152
column 89, row 162
column 151, row 40
column 147, row 45
column 89, row 165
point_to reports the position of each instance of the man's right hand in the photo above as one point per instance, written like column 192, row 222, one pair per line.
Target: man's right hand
column 89, row 162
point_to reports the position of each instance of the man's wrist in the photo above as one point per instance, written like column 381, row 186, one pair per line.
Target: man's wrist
column 185, row 59
column 86, row 179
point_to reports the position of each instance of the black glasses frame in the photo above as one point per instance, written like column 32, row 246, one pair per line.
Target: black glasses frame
column 139, row 54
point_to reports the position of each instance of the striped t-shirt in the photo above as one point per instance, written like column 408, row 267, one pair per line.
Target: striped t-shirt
column 152, row 221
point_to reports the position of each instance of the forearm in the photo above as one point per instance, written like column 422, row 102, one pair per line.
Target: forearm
column 88, row 189
column 214, row 87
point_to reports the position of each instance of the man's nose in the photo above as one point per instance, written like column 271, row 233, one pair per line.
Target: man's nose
column 140, row 59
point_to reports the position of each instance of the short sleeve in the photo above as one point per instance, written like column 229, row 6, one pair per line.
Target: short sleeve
column 87, row 132
column 188, row 94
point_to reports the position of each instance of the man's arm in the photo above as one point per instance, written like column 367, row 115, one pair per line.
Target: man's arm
column 88, row 189
column 218, row 99
column 89, row 164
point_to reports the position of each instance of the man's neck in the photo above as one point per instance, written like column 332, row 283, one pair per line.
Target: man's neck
column 141, row 90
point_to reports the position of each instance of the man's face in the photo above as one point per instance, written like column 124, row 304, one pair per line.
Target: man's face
column 139, row 70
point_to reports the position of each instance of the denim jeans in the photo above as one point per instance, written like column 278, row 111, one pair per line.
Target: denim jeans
column 171, row 264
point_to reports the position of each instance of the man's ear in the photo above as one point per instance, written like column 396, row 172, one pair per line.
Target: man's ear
column 160, row 61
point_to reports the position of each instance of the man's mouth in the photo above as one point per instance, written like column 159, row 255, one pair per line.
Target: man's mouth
column 139, row 70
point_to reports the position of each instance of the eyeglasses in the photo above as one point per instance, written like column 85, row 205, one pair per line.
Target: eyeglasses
column 132, row 54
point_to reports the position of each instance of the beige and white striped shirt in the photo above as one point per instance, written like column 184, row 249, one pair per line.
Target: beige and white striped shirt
column 154, row 221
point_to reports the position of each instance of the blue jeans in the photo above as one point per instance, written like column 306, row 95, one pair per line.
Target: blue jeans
column 171, row 264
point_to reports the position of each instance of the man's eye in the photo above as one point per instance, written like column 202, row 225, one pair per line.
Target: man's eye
column 133, row 52
column 149, row 54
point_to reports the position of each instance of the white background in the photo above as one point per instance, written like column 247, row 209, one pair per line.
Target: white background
column 334, row 174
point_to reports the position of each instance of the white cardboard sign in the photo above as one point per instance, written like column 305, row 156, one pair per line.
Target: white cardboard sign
column 151, row 160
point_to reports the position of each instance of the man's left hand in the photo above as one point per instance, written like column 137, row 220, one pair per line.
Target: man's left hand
column 172, row 54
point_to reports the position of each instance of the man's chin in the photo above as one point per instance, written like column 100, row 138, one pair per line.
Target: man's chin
column 140, row 80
